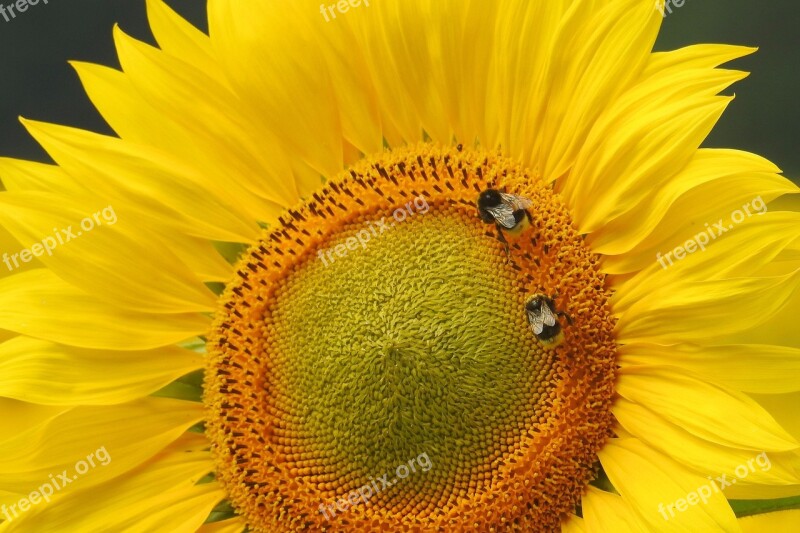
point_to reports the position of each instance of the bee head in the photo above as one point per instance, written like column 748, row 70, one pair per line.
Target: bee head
column 534, row 303
column 488, row 198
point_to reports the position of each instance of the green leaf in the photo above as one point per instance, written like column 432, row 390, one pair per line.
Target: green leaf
column 230, row 250
column 753, row 507
column 188, row 387
column 222, row 511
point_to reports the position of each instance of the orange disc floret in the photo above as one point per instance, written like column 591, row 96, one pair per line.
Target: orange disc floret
column 382, row 324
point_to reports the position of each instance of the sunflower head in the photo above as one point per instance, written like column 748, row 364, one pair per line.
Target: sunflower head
column 328, row 369
column 408, row 277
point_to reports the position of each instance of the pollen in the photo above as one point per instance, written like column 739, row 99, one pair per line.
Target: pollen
column 382, row 321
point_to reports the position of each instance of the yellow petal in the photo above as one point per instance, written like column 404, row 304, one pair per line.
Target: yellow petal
column 40, row 305
column 43, row 372
column 148, row 180
column 588, row 74
column 523, row 49
column 742, row 491
column 17, row 417
column 135, row 120
column 232, row 525
column 784, row 408
column 725, row 417
column 10, row 246
column 712, row 205
column 115, row 439
column 210, row 116
column 777, row 522
column 179, row 38
column 604, row 511
column 419, row 70
column 742, row 251
column 783, row 325
column 653, row 484
column 702, row 309
column 759, row 368
column 574, row 524
column 625, row 150
column 352, row 83
column 697, row 56
column 173, row 509
column 710, row 171
column 105, row 256
column 402, row 49
column 197, row 254
column 20, row 175
column 159, row 495
column 705, row 457
column 622, row 169
column 291, row 94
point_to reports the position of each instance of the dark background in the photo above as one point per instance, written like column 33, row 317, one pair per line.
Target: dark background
column 37, row 82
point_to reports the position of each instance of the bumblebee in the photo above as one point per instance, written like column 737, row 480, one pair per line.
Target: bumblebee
column 543, row 319
column 508, row 212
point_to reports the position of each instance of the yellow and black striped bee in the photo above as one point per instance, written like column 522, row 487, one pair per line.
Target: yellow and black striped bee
column 543, row 319
column 508, row 212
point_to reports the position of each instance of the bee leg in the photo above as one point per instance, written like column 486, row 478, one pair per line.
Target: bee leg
column 565, row 315
column 502, row 238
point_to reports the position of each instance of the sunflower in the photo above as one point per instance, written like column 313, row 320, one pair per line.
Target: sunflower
column 270, row 303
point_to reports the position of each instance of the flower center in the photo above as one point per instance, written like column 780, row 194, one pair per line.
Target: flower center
column 373, row 365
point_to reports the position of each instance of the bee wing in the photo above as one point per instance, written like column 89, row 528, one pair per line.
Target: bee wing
column 504, row 215
column 547, row 316
column 516, row 202
column 536, row 320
